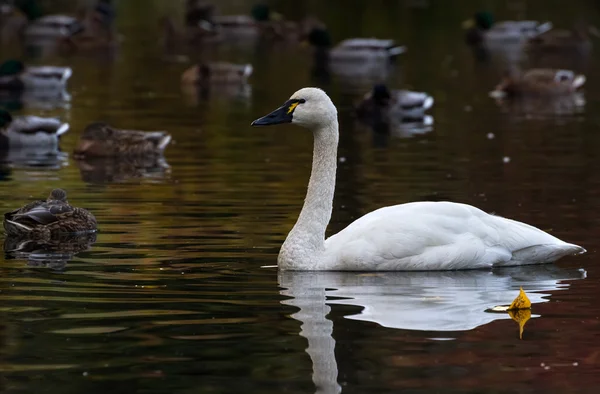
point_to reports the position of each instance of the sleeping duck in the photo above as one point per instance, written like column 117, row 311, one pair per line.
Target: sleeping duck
column 482, row 30
column 216, row 73
column 101, row 140
column 14, row 75
column 382, row 103
column 539, row 82
column 30, row 131
column 49, row 218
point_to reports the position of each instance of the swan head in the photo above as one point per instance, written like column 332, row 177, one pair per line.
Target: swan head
column 308, row 107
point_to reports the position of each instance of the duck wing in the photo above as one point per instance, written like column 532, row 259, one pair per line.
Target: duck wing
column 35, row 124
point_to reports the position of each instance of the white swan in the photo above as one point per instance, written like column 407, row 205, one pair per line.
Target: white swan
column 413, row 236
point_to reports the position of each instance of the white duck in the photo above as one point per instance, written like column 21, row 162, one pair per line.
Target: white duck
column 414, row 236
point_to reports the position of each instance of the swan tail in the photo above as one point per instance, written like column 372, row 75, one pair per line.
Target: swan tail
column 542, row 254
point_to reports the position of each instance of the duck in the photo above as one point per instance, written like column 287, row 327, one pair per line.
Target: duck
column 101, row 140
column 482, row 30
column 354, row 49
column 419, row 236
column 539, row 82
column 357, row 60
column 30, row 131
column 49, row 218
column 381, row 102
column 14, row 75
column 216, row 73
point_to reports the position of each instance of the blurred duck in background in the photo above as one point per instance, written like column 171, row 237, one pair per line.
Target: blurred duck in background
column 504, row 39
column 398, row 112
column 358, row 60
column 221, row 79
column 23, row 20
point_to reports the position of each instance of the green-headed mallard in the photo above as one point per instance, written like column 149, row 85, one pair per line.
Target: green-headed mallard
column 49, row 218
column 216, row 73
column 540, row 82
column 30, row 131
column 382, row 102
column 101, row 140
column 482, row 30
column 15, row 76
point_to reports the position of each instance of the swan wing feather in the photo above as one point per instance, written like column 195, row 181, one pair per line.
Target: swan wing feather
column 439, row 236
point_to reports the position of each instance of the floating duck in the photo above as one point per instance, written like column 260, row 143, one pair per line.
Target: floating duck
column 382, row 102
column 14, row 75
column 49, row 218
column 539, row 82
column 30, row 131
column 101, row 140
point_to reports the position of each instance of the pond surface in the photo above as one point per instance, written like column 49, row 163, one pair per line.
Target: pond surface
column 171, row 297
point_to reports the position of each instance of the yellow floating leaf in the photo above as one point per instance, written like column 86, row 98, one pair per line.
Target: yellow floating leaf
column 521, row 316
column 521, row 302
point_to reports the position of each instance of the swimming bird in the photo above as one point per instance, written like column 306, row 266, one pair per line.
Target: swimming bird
column 216, row 73
column 540, row 82
column 482, row 29
column 30, row 131
column 101, row 140
column 413, row 236
column 382, row 103
column 15, row 76
column 49, row 218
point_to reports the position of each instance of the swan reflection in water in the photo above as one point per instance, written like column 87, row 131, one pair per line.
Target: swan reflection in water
column 441, row 302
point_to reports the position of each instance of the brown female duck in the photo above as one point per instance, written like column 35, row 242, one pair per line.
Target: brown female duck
column 540, row 82
column 101, row 140
column 49, row 218
column 216, row 73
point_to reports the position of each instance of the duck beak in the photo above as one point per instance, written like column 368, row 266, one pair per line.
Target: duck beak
column 282, row 114
column 469, row 23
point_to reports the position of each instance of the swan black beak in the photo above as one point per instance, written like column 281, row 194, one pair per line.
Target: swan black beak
column 282, row 114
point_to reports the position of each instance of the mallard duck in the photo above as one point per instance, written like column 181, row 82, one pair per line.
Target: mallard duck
column 101, row 140
column 354, row 49
column 539, row 82
column 15, row 76
column 483, row 30
column 30, row 131
column 216, row 73
column 49, row 218
column 401, row 104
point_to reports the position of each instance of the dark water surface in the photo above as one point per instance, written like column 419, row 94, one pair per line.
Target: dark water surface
column 171, row 297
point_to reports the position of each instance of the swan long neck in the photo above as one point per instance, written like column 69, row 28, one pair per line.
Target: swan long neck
column 305, row 242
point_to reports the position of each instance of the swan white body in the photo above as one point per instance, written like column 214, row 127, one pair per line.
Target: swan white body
column 406, row 237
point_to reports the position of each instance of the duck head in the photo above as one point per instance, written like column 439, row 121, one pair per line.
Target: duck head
column 57, row 195
column 5, row 118
column 319, row 37
column 11, row 67
column 30, row 8
column 381, row 94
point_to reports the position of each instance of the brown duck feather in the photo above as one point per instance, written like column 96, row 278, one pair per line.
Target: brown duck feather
column 49, row 218
column 102, row 140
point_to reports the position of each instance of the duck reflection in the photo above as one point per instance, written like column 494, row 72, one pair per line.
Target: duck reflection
column 440, row 302
column 46, row 100
column 52, row 253
column 101, row 170
column 543, row 107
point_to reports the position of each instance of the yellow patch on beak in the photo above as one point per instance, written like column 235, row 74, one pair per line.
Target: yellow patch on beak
column 292, row 107
column 469, row 23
